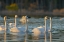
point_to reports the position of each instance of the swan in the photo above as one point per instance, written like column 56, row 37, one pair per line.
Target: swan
column 23, row 19
column 3, row 27
column 42, row 31
column 17, row 30
column 14, row 29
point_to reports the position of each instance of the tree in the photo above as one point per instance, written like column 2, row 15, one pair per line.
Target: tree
column 26, row 4
column 50, row 5
column 62, row 3
column 55, row 4
column 37, row 3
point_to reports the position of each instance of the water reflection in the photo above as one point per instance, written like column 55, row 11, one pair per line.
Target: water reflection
column 57, row 25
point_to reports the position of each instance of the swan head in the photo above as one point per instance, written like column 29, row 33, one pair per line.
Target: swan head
column 24, row 19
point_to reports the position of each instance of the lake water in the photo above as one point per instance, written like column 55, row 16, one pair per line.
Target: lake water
column 57, row 27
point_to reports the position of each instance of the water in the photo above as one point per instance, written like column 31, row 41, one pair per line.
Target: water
column 57, row 27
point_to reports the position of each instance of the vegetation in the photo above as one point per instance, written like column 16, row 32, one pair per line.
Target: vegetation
column 12, row 7
column 34, row 6
column 46, row 5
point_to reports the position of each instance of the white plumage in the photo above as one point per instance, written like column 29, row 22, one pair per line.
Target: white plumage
column 39, row 31
column 14, row 30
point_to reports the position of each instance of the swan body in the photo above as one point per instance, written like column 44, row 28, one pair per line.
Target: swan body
column 14, row 29
column 2, row 29
column 40, row 31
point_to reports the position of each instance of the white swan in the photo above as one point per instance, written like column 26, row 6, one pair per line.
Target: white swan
column 23, row 19
column 13, row 28
column 3, row 27
column 40, row 31
column 16, row 30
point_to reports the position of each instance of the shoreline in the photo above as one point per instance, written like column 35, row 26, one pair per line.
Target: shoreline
column 32, row 14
